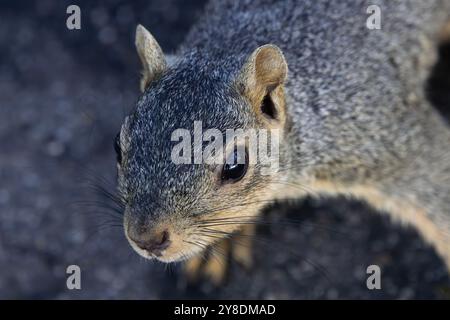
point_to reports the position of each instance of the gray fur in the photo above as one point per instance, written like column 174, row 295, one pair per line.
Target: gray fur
column 357, row 113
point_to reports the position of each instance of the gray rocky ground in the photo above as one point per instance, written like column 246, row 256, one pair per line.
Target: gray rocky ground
column 63, row 95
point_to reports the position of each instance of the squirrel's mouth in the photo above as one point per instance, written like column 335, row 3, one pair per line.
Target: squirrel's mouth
column 167, row 256
column 166, row 245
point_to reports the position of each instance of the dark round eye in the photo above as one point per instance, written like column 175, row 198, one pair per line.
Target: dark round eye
column 233, row 171
column 117, row 148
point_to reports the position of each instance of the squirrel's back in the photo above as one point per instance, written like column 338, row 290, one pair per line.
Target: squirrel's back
column 333, row 57
column 320, row 35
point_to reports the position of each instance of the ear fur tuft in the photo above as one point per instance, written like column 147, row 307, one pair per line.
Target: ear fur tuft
column 151, row 55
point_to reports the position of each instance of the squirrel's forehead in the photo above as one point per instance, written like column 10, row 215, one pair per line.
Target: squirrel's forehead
column 176, row 108
column 188, row 85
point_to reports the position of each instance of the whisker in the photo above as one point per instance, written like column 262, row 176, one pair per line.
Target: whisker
column 258, row 221
column 322, row 270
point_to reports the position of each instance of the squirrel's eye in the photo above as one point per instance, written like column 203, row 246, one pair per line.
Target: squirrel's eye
column 233, row 171
column 117, row 148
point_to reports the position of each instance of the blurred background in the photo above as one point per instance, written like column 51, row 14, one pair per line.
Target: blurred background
column 63, row 95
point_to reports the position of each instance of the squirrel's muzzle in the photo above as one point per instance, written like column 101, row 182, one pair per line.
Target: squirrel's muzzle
column 154, row 242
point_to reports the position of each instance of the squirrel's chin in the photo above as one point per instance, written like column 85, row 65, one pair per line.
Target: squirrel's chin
column 162, row 258
column 173, row 257
column 167, row 258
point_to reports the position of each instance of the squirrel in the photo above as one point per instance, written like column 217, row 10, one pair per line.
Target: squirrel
column 349, row 103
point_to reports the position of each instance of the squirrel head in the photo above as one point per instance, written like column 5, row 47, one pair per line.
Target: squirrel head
column 174, row 210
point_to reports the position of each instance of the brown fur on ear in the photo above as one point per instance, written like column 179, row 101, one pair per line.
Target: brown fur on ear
column 261, row 81
column 151, row 56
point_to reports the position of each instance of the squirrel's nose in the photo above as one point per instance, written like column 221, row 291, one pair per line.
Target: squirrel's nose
column 155, row 243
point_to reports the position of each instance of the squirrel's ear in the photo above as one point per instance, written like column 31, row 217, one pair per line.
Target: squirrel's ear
column 151, row 55
column 261, row 81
